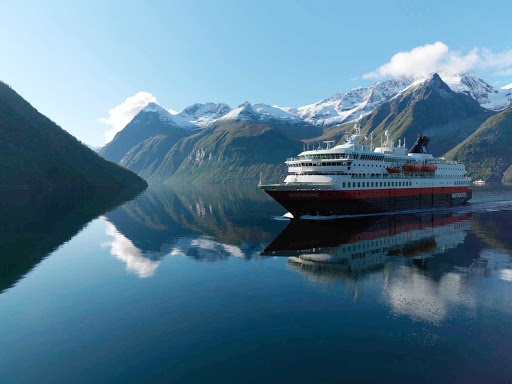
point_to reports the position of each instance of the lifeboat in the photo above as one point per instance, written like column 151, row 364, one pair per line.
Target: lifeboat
column 412, row 167
column 428, row 167
column 393, row 169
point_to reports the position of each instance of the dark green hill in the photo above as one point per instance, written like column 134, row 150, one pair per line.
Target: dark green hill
column 152, row 121
column 487, row 153
column 34, row 151
column 229, row 152
column 430, row 108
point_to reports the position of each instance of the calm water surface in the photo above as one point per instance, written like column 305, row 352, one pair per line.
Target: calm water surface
column 206, row 284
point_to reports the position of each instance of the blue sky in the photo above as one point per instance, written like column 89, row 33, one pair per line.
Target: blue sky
column 75, row 60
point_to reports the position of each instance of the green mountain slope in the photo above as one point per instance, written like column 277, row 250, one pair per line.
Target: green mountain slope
column 150, row 122
column 487, row 153
column 229, row 152
column 34, row 151
column 146, row 157
column 430, row 108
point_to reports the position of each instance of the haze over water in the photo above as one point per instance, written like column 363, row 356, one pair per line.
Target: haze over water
column 206, row 284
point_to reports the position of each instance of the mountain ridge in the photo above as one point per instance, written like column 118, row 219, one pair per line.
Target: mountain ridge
column 35, row 151
column 224, row 150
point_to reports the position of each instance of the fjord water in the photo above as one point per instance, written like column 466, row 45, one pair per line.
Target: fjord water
column 207, row 284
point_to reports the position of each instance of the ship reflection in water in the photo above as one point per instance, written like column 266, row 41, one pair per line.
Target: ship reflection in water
column 353, row 246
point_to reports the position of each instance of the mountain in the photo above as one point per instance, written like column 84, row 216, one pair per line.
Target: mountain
column 230, row 151
column 487, row 152
column 485, row 94
column 150, row 122
column 211, row 142
column 200, row 115
column 428, row 107
column 34, row 151
column 287, row 122
column 340, row 108
column 344, row 107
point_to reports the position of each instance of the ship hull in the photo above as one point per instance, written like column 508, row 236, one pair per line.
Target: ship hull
column 335, row 202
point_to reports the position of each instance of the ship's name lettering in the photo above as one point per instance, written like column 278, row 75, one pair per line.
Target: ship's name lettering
column 302, row 194
column 458, row 195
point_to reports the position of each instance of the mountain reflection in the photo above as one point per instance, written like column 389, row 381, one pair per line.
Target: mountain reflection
column 204, row 222
column 35, row 222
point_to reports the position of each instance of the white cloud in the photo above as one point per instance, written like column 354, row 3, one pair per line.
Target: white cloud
column 438, row 57
column 122, row 114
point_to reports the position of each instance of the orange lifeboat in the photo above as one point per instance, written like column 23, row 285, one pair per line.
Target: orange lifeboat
column 412, row 167
column 393, row 169
column 428, row 168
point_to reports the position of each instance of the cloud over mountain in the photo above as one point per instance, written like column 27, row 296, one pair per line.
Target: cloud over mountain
column 122, row 114
column 438, row 57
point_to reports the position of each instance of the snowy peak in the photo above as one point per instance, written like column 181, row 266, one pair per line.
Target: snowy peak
column 163, row 114
column 338, row 108
column 201, row 115
column 261, row 113
column 344, row 107
column 485, row 94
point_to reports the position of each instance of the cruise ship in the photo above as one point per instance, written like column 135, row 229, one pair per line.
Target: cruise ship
column 357, row 178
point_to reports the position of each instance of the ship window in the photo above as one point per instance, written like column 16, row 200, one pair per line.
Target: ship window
column 359, row 184
column 343, row 184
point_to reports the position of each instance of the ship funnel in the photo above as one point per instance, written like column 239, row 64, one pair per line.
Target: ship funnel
column 420, row 146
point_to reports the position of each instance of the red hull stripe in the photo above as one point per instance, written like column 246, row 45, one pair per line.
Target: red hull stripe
column 363, row 193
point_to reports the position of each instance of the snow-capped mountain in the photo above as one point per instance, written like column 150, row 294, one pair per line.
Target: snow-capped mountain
column 487, row 96
column 344, row 107
column 200, row 115
column 337, row 109
column 162, row 113
column 261, row 113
